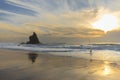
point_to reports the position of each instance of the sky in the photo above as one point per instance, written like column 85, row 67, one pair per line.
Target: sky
column 57, row 21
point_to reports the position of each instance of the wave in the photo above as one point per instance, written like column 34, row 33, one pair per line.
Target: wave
column 100, row 52
column 54, row 48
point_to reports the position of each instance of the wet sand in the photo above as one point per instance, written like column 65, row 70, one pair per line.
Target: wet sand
column 26, row 65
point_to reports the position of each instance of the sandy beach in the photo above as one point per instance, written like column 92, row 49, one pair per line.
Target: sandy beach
column 26, row 65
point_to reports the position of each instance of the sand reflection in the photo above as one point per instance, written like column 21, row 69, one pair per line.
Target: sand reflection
column 32, row 57
column 107, row 68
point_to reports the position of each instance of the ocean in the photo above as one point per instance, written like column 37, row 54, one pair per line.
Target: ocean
column 109, row 52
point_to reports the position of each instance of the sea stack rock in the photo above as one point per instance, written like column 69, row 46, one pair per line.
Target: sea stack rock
column 33, row 39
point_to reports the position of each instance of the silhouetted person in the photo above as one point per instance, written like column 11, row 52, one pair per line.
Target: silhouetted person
column 33, row 39
column 91, row 54
column 32, row 56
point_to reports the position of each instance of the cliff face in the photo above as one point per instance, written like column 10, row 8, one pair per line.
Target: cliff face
column 33, row 39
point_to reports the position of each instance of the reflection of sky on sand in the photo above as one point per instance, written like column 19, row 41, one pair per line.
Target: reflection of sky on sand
column 107, row 69
column 15, row 65
column 108, row 55
column 99, row 70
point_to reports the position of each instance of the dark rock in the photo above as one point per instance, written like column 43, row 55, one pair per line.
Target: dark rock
column 33, row 39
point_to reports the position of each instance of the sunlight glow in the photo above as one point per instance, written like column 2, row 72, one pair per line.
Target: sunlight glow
column 107, row 22
column 107, row 69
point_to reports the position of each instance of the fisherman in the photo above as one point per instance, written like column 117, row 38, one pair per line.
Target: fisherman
column 91, row 55
column 91, row 51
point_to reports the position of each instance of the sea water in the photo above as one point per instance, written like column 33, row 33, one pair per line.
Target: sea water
column 109, row 52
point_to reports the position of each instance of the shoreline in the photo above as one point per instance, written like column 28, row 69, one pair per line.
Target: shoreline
column 26, row 65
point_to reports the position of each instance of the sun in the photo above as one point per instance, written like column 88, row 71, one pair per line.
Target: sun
column 106, row 23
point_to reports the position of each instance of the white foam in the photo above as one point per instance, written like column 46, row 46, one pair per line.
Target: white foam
column 100, row 52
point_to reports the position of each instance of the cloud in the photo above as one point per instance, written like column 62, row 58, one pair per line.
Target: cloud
column 67, row 20
column 64, row 25
column 23, row 29
column 49, row 5
column 15, row 18
column 58, row 12
column 112, row 36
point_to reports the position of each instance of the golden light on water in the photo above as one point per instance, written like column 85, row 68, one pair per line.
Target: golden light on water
column 107, row 70
column 106, row 23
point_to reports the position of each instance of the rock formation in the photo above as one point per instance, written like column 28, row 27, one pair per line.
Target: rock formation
column 33, row 39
